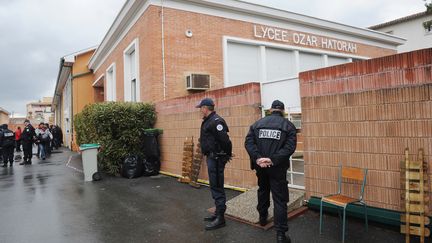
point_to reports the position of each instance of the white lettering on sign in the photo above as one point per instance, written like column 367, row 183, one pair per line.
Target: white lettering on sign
column 268, row 133
column 306, row 40
column 265, row 32
column 338, row 45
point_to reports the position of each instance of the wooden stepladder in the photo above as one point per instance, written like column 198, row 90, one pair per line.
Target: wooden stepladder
column 415, row 197
column 191, row 163
column 196, row 167
column 187, row 160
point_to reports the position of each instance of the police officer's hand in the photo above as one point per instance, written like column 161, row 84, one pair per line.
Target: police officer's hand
column 264, row 162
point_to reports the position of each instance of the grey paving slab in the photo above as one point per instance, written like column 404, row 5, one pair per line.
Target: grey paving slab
column 244, row 205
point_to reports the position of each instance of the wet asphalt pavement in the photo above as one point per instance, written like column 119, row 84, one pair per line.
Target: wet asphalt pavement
column 49, row 202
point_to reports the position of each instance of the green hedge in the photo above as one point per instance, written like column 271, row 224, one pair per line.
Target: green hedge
column 118, row 127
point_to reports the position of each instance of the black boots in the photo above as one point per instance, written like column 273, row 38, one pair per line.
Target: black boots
column 282, row 238
column 263, row 219
column 4, row 165
column 210, row 218
column 28, row 162
column 217, row 223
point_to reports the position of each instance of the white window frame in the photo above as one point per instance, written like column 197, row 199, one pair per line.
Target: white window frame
column 264, row 80
column 133, row 46
column 110, row 89
column 263, row 44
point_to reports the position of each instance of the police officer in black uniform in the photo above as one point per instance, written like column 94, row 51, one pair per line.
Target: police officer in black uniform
column 28, row 136
column 217, row 147
column 7, row 141
column 270, row 143
column 1, row 150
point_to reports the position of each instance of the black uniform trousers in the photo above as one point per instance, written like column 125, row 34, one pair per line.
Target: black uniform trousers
column 18, row 145
column 8, row 154
column 216, row 177
column 274, row 179
column 28, row 150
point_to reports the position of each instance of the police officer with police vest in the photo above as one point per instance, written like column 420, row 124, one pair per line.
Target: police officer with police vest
column 1, row 150
column 28, row 136
column 270, row 143
column 217, row 147
column 7, row 142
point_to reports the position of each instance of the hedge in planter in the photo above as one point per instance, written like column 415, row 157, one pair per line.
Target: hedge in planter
column 118, row 127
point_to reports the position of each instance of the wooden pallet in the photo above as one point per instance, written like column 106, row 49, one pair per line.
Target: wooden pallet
column 415, row 197
column 187, row 160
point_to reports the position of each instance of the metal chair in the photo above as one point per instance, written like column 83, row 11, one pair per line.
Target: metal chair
column 342, row 201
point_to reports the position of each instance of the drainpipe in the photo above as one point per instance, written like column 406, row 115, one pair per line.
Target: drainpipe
column 62, row 60
column 263, row 77
column 163, row 50
column 72, row 110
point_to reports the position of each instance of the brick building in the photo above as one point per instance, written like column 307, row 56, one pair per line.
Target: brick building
column 40, row 111
column 16, row 122
column 244, row 55
column 4, row 116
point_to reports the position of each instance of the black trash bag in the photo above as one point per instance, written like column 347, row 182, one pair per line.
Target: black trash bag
column 151, row 167
column 152, row 152
column 132, row 167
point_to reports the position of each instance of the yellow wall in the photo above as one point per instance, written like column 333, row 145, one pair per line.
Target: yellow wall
column 82, row 89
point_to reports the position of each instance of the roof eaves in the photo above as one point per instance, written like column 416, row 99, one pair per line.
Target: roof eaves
column 399, row 20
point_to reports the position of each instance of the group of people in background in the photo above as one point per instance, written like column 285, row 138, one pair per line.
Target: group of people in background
column 45, row 136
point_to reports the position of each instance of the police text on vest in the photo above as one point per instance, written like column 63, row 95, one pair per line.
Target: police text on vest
column 268, row 133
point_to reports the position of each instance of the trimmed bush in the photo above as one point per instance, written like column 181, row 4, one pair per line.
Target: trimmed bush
column 118, row 127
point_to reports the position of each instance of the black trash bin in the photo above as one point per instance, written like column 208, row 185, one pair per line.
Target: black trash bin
column 151, row 151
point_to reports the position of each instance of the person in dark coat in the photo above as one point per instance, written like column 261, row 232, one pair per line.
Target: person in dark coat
column 217, row 147
column 7, row 142
column 28, row 137
column 57, row 136
column 270, row 143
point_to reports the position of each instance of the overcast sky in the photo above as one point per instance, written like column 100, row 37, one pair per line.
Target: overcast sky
column 35, row 34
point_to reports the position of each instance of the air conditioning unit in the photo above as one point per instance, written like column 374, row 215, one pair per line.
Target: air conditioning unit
column 197, row 81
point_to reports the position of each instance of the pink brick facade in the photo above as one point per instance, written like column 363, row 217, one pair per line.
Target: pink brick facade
column 179, row 119
column 203, row 53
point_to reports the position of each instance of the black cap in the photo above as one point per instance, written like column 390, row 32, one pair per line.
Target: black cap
column 205, row 102
column 26, row 120
column 277, row 104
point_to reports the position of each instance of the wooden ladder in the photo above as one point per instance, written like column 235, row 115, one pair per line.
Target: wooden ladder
column 196, row 167
column 415, row 197
column 187, row 160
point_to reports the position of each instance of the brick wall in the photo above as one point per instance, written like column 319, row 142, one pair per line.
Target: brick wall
column 13, row 127
column 364, row 114
column 179, row 118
